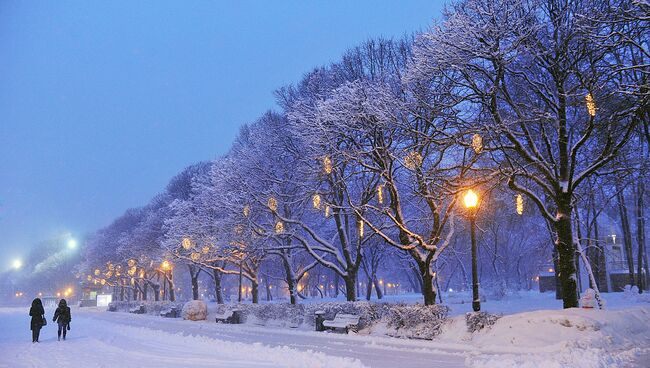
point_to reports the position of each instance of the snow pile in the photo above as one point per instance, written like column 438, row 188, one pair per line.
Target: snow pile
column 631, row 293
column 195, row 310
column 564, row 338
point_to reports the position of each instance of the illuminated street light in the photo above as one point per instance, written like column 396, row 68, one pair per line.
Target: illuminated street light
column 166, row 265
column 471, row 202
column 72, row 244
column 17, row 264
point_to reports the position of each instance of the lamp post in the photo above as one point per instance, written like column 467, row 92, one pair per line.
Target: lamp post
column 471, row 202
column 167, row 267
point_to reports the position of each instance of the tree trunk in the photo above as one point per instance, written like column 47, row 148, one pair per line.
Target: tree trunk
column 145, row 290
column 255, row 291
column 239, row 297
column 627, row 235
column 377, row 287
column 172, row 294
column 195, row 286
column 640, row 236
column 368, row 288
column 337, row 280
column 428, row 292
column 290, row 279
column 578, row 240
column 350, row 285
column 566, row 252
column 218, row 293
column 156, row 292
column 269, row 297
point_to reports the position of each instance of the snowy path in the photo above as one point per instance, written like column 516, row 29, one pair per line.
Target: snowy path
column 100, row 339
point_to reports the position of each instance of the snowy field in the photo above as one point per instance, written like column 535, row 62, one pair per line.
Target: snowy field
column 618, row 337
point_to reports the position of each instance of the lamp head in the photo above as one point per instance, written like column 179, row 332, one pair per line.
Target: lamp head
column 470, row 199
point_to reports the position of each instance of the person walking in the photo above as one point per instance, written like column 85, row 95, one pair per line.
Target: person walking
column 62, row 317
column 38, row 318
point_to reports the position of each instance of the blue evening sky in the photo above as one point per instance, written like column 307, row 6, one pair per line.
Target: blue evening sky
column 102, row 102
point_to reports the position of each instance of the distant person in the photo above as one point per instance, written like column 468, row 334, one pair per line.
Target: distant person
column 38, row 318
column 62, row 317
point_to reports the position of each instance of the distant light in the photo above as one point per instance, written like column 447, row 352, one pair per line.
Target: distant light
column 550, row 270
column 17, row 264
column 72, row 244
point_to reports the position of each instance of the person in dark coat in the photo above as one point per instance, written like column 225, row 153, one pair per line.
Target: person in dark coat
column 62, row 317
column 38, row 318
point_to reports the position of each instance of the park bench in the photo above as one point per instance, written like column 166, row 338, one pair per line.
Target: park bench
column 226, row 317
column 137, row 310
column 343, row 321
column 170, row 313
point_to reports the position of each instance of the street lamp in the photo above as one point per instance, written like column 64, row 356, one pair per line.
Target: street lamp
column 471, row 202
column 17, row 264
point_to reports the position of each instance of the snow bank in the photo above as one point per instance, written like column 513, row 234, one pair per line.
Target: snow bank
column 195, row 310
column 561, row 338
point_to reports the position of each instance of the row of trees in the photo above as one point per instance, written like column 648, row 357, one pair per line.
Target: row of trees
column 541, row 102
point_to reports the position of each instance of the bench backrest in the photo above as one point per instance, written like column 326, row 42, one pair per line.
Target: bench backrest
column 225, row 314
column 349, row 318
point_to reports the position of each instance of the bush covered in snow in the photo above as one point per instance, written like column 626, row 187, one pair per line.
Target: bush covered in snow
column 408, row 321
column 150, row 307
column 477, row 321
column 195, row 310
column 416, row 321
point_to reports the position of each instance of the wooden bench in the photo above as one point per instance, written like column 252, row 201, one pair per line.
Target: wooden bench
column 226, row 317
column 170, row 313
column 343, row 321
column 137, row 310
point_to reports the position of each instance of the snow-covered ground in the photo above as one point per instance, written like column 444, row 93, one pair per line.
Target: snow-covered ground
column 550, row 337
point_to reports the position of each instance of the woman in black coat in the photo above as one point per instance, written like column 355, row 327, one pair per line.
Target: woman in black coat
column 62, row 317
column 38, row 318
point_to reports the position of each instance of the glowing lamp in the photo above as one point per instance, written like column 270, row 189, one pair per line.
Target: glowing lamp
column 316, row 201
column 327, row 165
column 17, row 264
column 477, row 143
column 279, row 227
column 591, row 104
column 519, row 203
column 413, row 160
column 471, row 199
column 380, row 194
column 166, row 265
column 272, row 203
